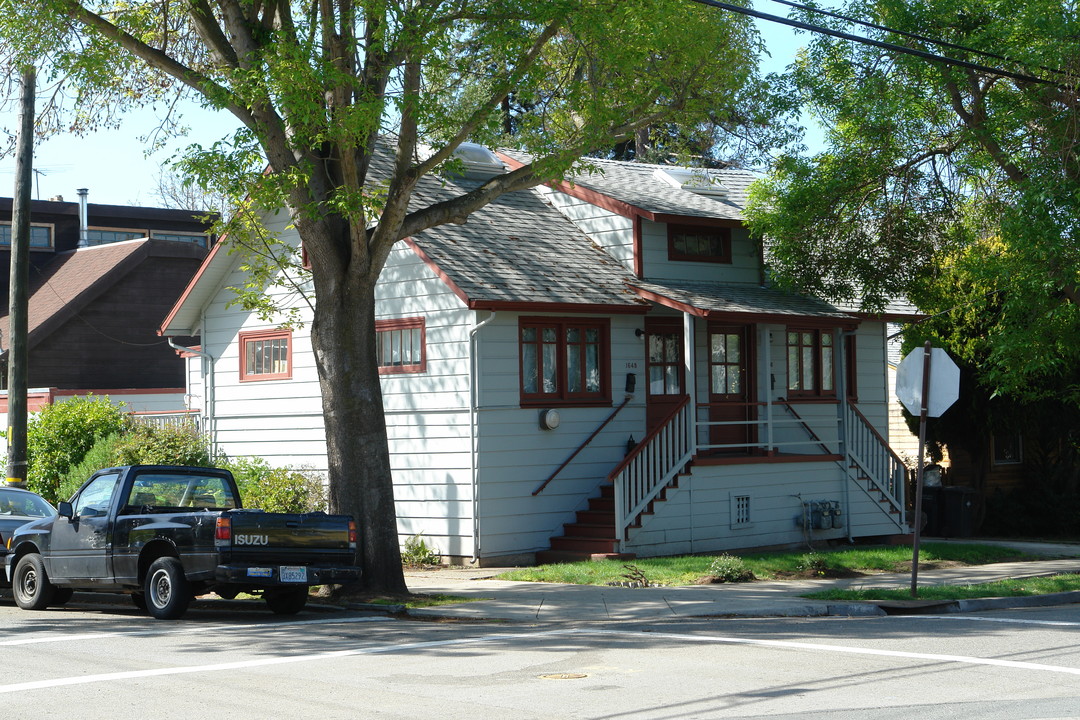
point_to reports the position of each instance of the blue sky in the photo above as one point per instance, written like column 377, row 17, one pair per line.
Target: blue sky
column 116, row 169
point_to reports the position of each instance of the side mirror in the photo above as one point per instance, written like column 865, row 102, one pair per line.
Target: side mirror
column 64, row 508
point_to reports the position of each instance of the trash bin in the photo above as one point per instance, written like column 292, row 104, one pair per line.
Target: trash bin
column 931, row 507
column 958, row 511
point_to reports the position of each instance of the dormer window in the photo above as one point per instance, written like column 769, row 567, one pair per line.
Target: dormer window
column 697, row 243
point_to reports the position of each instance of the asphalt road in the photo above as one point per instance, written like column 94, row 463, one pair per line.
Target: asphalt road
column 95, row 660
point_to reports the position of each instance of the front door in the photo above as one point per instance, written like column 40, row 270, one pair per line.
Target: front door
column 664, row 369
column 730, row 389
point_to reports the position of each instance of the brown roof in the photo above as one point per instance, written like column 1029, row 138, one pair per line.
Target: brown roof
column 77, row 277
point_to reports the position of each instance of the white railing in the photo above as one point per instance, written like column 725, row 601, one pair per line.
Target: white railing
column 650, row 466
column 179, row 418
column 873, row 460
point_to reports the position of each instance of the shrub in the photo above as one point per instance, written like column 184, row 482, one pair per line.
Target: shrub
column 730, row 568
column 101, row 455
column 812, row 563
column 60, row 435
column 163, row 445
column 276, row 489
column 417, row 553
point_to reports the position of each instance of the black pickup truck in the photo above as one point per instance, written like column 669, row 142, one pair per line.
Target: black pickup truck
column 165, row 534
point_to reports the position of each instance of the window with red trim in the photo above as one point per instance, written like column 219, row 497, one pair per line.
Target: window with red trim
column 810, row 363
column 564, row 361
column 401, row 345
column 699, row 243
column 266, row 355
column 810, row 358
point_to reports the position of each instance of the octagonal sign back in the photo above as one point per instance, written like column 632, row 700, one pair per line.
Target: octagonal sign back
column 944, row 382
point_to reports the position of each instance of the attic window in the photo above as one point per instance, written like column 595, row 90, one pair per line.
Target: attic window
column 696, row 180
column 697, row 243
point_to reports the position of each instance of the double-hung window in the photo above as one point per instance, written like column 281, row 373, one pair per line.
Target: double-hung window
column 810, row 360
column 564, row 361
column 401, row 346
column 265, row 355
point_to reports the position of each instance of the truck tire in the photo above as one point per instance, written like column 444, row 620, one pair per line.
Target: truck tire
column 166, row 589
column 30, row 584
column 286, row 602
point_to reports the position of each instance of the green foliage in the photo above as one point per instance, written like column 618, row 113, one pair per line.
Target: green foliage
column 417, row 553
column 813, row 563
column 60, row 435
column 950, row 186
column 101, row 455
column 163, row 445
column 291, row 490
column 730, row 569
column 1017, row 587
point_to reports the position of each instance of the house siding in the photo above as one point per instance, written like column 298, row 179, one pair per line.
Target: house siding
column 744, row 267
column 611, row 232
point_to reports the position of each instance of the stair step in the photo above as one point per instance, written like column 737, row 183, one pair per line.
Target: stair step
column 584, row 544
column 548, row 557
column 581, row 529
column 596, row 517
column 602, row 504
column 607, row 490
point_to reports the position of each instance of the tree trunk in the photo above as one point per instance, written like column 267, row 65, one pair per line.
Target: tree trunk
column 343, row 339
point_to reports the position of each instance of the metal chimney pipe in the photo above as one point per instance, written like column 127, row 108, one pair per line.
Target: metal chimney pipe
column 83, row 222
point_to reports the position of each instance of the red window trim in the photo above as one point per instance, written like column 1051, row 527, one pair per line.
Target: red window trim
column 816, row 391
column 410, row 323
column 562, row 397
column 724, row 233
column 849, row 367
column 255, row 336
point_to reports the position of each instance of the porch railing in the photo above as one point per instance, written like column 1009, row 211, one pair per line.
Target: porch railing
column 874, row 461
column 650, row 466
column 765, row 429
column 179, row 418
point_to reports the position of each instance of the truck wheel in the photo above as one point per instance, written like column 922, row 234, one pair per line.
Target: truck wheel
column 286, row 602
column 166, row 589
column 30, row 585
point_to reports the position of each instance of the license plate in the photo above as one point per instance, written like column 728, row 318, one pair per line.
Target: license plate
column 260, row 572
column 293, row 573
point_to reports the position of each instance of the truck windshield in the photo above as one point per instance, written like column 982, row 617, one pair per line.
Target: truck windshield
column 164, row 490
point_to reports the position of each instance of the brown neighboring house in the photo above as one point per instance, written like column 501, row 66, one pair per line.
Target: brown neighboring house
column 93, row 314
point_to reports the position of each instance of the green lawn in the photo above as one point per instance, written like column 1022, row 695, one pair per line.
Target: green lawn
column 1001, row 588
column 687, row 569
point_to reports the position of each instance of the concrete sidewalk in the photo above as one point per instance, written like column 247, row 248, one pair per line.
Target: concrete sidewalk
column 548, row 602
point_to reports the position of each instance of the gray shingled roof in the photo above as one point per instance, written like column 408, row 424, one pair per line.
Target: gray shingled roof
column 520, row 249
column 636, row 184
column 742, row 299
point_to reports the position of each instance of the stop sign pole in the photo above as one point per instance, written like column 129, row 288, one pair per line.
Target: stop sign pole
column 923, row 411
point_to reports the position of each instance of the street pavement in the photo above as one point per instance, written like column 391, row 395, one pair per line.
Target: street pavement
column 499, row 600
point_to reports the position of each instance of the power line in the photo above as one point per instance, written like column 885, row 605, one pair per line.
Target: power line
column 904, row 33
column 923, row 54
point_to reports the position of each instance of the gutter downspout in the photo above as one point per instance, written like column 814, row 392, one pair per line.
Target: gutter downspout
column 474, row 450
column 208, row 389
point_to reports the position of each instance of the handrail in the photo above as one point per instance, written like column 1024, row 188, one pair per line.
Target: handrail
column 640, row 447
column 582, row 446
column 813, row 435
column 873, row 430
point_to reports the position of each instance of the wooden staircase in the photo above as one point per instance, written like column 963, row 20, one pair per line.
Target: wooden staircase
column 592, row 535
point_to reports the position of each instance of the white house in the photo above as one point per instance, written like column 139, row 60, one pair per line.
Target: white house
column 595, row 367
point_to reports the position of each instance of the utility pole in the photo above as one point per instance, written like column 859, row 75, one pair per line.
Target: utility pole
column 20, row 277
